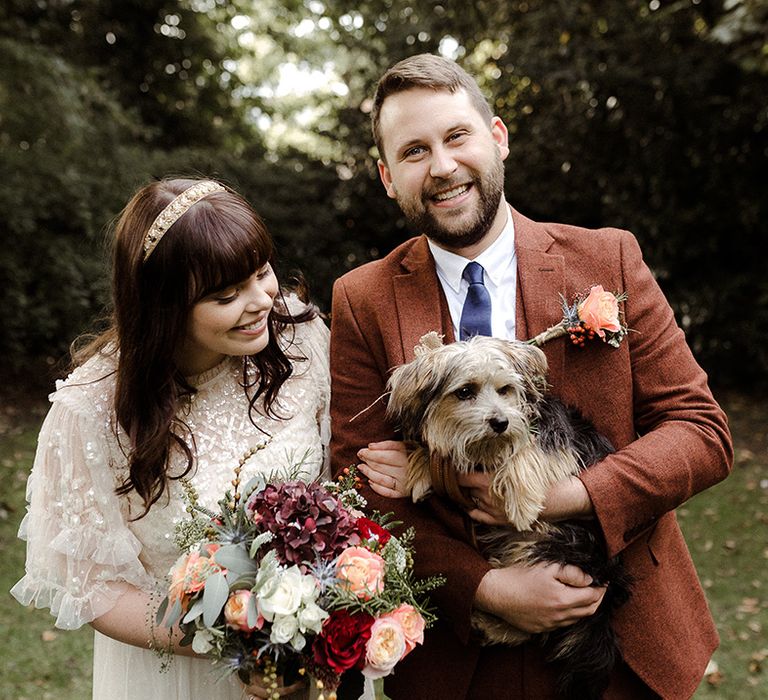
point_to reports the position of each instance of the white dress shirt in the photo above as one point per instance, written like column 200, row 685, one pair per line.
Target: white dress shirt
column 500, row 264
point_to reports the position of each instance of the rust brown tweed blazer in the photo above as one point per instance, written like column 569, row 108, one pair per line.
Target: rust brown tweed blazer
column 649, row 397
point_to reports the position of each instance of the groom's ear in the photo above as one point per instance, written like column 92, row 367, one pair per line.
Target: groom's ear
column 500, row 135
column 386, row 179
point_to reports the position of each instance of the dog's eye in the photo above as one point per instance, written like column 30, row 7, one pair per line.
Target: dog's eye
column 465, row 393
column 506, row 389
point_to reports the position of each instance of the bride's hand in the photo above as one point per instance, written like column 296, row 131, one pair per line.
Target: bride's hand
column 487, row 509
column 260, row 687
column 386, row 466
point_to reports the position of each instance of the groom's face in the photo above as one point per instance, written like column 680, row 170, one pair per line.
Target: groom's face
column 444, row 165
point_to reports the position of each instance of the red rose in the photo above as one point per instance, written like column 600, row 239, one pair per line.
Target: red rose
column 341, row 643
column 369, row 529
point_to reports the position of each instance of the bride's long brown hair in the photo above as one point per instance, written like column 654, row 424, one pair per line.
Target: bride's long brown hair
column 219, row 242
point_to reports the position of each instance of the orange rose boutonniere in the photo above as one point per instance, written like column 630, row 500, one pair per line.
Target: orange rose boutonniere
column 592, row 315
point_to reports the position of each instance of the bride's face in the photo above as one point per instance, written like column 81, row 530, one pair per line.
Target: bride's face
column 232, row 321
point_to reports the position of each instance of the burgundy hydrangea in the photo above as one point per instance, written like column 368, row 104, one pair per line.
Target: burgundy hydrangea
column 305, row 519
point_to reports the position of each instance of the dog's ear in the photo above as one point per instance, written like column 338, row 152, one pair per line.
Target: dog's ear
column 428, row 342
column 412, row 386
column 531, row 363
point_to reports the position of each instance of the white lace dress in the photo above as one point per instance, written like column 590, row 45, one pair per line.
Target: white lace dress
column 80, row 541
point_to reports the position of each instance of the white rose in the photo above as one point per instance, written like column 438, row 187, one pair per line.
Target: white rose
column 309, row 589
column 283, row 629
column 311, row 618
column 201, row 642
column 299, row 641
column 284, row 597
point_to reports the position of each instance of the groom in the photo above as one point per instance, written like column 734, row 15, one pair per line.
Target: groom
column 442, row 156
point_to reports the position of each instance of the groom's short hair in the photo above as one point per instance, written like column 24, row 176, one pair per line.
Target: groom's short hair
column 425, row 70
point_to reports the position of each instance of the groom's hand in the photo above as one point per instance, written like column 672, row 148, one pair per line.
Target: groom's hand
column 538, row 598
column 565, row 499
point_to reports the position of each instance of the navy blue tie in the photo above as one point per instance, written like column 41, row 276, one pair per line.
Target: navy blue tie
column 476, row 314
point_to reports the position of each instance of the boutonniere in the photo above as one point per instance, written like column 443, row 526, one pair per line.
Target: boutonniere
column 590, row 316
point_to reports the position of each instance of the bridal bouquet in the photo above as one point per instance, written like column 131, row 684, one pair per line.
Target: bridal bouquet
column 291, row 577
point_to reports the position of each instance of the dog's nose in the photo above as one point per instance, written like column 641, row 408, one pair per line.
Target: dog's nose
column 499, row 425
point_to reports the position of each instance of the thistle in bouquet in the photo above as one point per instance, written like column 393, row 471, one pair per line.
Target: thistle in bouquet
column 595, row 314
column 290, row 576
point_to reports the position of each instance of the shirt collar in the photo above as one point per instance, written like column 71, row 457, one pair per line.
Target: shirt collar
column 495, row 259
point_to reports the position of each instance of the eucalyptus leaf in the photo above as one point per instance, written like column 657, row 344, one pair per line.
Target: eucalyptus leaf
column 195, row 611
column 235, row 558
column 161, row 611
column 267, row 570
column 186, row 640
column 215, row 594
column 258, row 541
column 175, row 614
column 237, row 583
column 252, row 612
column 257, row 483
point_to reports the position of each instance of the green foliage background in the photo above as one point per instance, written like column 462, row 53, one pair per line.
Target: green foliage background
column 650, row 116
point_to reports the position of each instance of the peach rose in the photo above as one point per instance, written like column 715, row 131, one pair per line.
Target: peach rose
column 200, row 567
column 361, row 571
column 385, row 648
column 236, row 611
column 600, row 311
column 177, row 573
column 412, row 624
column 189, row 573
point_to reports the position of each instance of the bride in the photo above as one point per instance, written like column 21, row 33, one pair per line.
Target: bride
column 205, row 359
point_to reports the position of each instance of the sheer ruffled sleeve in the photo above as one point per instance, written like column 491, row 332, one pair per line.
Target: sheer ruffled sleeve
column 318, row 340
column 313, row 339
column 78, row 544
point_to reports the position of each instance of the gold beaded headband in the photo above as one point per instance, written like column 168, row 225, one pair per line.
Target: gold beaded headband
column 175, row 210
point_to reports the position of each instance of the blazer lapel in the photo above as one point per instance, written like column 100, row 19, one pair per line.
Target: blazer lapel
column 420, row 304
column 540, row 286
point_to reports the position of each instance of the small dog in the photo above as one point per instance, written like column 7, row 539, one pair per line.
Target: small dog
column 481, row 404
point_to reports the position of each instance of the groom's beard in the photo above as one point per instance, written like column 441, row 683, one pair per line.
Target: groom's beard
column 490, row 188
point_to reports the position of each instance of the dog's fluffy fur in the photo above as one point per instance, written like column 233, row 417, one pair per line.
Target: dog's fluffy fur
column 482, row 404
